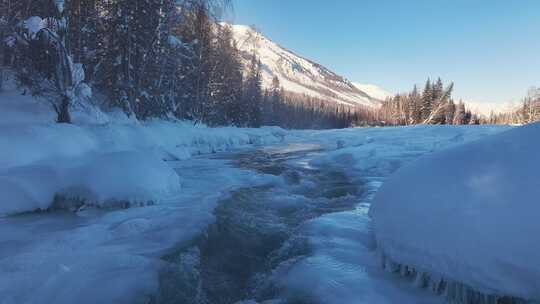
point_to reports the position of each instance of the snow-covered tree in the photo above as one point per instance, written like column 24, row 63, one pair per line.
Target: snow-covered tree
column 46, row 66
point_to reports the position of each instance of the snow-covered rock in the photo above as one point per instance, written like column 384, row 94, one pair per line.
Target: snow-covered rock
column 468, row 215
column 297, row 74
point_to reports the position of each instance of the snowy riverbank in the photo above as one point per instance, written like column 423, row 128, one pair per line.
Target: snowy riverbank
column 465, row 219
column 109, row 254
column 104, row 159
column 118, row 254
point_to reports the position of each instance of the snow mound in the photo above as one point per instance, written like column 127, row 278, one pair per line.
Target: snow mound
column 103, row 180
column 468, row 215
column 131, row 176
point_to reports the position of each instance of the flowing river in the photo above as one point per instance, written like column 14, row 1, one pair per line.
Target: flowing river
column 265, row 239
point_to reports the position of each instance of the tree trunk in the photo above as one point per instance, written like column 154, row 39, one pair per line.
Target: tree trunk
column 63, row 111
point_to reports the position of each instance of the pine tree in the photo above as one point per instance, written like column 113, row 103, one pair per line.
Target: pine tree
column 414, row 103
column 272, row 105
column 438, row 91
column 202, row 39
column 253, row 94
column 450, row 112
column 427, row 99
column 226, row 80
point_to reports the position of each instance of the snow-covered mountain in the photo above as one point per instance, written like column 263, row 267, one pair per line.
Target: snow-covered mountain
column 297, row 74
column 373, row 90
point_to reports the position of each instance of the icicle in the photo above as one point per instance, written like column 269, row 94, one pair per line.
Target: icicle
column 454, row 292
column 403, row 271
column 421, row 280
column 390, row 266
column 435, row 284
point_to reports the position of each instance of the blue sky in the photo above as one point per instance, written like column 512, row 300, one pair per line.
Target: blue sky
column 490, row 49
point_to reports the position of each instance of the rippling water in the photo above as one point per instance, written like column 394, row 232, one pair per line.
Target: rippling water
column 255, row 232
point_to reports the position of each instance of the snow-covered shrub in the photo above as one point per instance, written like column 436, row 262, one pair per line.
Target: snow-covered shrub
column 47, row 67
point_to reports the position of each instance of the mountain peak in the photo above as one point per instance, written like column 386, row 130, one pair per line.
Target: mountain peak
column 298, row 74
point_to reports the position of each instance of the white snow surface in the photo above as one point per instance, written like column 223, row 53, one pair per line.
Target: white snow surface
column 469, row 214
column 374, row 90
column 297, row 74
column 113, row 255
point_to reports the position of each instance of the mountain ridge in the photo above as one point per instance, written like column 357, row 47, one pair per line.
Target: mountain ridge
column 296, row 73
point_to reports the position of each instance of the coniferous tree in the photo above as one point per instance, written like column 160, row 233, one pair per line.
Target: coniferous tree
column 437, row 91
column 272, row 105
column 253, row 93
column 226, row 80
column 450, row 112
column 427, row 99
column 415, row 101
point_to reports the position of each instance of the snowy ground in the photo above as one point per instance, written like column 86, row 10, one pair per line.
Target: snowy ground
column 154, row 204
column 473, row 231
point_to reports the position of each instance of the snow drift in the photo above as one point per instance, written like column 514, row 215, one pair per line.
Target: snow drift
column 105, row 180
column 465, row 220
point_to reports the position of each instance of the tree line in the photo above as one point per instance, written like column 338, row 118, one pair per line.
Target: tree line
column 434, row 105
column 172, row 59
column 299, row 111
column 151, row 58
column 527, row 112
column 166, row 59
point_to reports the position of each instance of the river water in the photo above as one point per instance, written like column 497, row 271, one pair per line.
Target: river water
column 257, row 249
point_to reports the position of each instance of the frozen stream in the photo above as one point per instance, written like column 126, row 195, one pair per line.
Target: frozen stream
column 305, row 239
